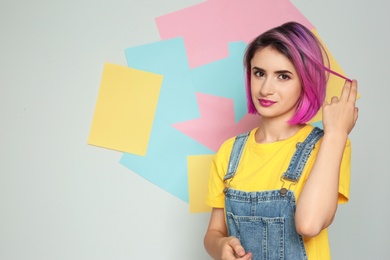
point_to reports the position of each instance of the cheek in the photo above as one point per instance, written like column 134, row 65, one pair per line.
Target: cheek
column 254, row 95
column 296, row 92
column 252, row 90
column 255, row 86
column 298, row 96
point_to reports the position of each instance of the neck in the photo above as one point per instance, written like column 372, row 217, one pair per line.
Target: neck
column 270, row 131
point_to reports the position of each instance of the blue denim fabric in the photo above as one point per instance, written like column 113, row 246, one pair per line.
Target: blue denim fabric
column 264, row 221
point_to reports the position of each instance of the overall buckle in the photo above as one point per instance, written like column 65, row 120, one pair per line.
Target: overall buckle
column 283, row 190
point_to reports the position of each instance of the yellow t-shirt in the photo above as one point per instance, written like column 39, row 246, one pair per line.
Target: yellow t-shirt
column 260, row 169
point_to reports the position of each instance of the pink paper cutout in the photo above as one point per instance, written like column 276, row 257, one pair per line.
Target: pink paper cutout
column 247, row 123
column 207, row 28
column 256, row 16
column 216, row 122
column 203, row 31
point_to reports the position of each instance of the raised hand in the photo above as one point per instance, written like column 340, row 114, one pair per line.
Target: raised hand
column 341, row 114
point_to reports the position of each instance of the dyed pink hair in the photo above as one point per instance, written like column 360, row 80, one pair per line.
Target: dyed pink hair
column 306, row 53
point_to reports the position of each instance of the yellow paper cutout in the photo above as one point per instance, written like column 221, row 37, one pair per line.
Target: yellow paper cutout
column 198, row 177
column 125, row 109
column 335, row 83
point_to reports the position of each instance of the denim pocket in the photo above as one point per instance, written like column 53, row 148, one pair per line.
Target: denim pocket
column 262, row 236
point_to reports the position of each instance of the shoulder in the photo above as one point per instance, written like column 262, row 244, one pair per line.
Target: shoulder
column 227, row 146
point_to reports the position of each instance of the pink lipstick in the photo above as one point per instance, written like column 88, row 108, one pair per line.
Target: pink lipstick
column 266, row 102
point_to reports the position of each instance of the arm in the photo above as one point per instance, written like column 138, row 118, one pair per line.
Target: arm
column 218, row 244
column 317, row 204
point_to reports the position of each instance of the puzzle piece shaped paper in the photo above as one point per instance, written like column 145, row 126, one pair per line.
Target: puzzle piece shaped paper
column 216, row 122
column 216, row 116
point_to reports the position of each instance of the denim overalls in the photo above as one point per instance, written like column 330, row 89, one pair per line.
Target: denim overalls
column 264, row 221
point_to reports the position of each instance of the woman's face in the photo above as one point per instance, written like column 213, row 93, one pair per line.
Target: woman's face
column 275, row 85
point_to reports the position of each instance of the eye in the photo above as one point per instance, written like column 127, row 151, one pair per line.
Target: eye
column 258, row 73
column 284, row 77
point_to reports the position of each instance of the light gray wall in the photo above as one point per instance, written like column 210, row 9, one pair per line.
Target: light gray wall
column 63, row 199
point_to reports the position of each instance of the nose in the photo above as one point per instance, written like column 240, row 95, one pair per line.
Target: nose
column 267, row 88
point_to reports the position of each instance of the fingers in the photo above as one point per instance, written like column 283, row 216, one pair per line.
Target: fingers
column 237, row 247
column 349, row 92
column 246, row 257
column 234, row 250
column 334, row 100
column 356, row 114
column 346, row 91
column 341, row 114
column 353, row 92
column 240, row 252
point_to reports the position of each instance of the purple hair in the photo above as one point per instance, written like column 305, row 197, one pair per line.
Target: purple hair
column 306, row 53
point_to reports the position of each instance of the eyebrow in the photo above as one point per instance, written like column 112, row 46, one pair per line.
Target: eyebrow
column 278, row 71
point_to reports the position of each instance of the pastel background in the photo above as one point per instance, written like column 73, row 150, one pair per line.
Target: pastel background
column 61, row 198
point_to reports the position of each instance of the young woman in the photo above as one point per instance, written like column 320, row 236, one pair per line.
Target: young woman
column 275, row 190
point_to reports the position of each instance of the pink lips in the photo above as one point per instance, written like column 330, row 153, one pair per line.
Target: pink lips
column 266, row 102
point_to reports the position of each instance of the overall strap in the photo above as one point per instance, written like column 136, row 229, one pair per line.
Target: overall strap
column 301, row 155
column 235, row 155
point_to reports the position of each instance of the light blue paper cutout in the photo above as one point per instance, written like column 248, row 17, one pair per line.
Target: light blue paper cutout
column 165, row 163
column 225, row 78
